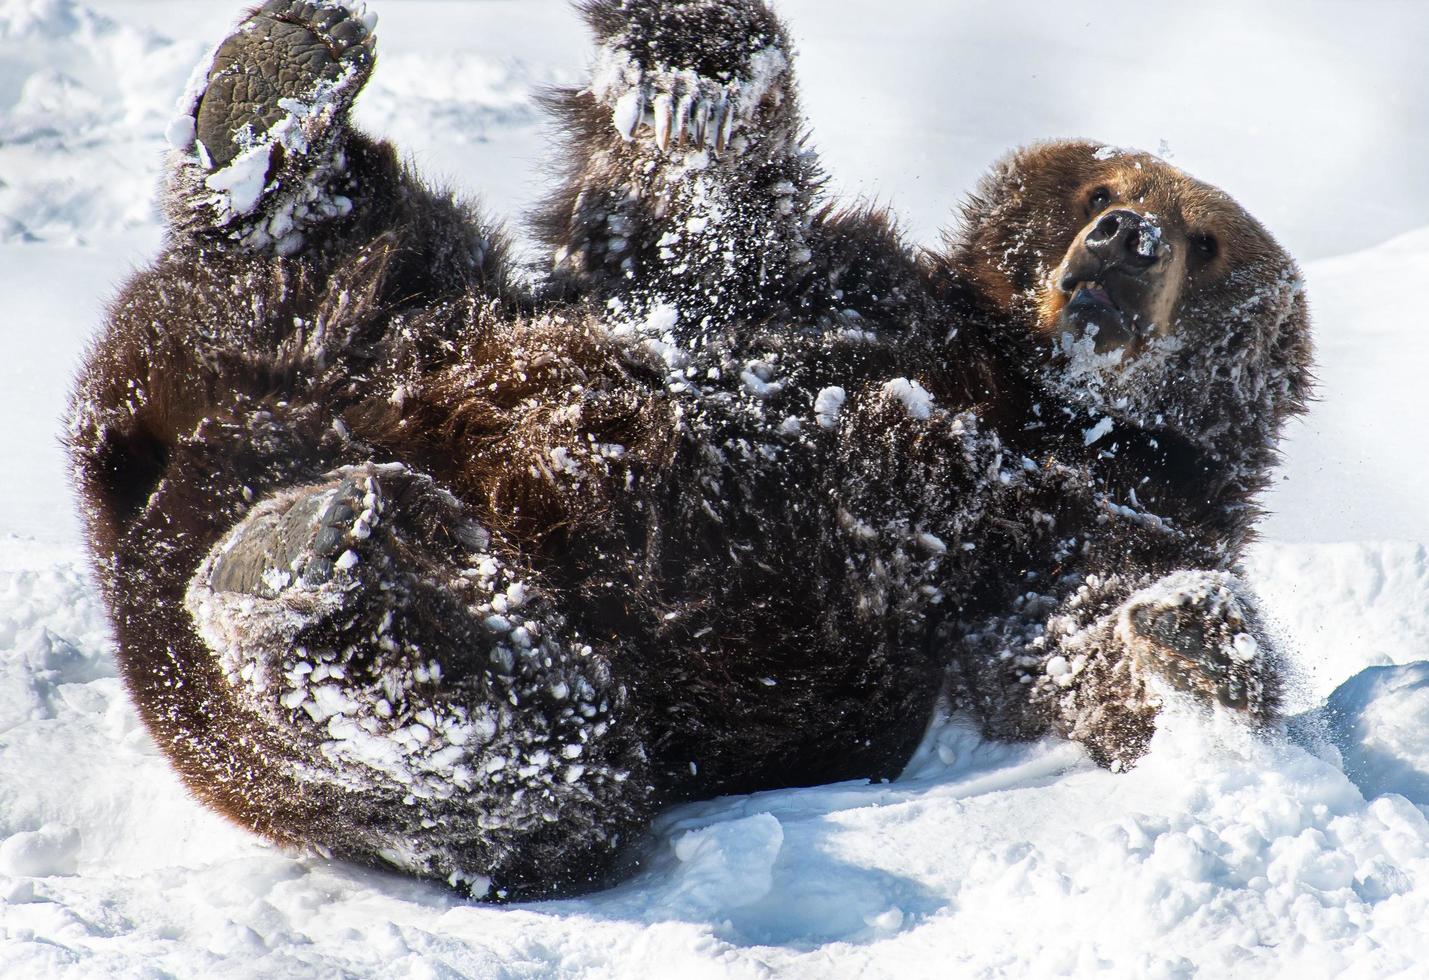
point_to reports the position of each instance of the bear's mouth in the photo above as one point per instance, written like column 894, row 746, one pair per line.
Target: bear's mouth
column 1096, row 313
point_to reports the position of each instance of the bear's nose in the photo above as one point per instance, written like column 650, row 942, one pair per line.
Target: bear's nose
column 1126, row 239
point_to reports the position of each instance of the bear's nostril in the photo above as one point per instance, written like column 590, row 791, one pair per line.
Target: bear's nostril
column 1106, row 228
column 1125, row 239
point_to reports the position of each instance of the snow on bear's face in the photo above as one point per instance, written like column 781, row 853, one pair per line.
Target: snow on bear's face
column 1149, row 292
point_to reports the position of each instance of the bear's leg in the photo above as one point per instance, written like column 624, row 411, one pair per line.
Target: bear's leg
column 426, row 684
column 285, row 288
column 686, row 183
column 261, row 154
column 1094, row 667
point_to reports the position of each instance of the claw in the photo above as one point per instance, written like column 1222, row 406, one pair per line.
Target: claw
column 715, row 125
column 683, row 107
column 664, row 113
column 629, row 109
column 726, row 129
column 700, row 121
column 348, row 32
column 326, row 17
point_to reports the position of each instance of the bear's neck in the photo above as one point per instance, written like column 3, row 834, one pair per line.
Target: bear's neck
column 1147, row 466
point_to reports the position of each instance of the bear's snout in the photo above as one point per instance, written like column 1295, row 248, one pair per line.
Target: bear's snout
column 1125, row 240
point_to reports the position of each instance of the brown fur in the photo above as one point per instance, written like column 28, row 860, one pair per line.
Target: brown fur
column 758, row 603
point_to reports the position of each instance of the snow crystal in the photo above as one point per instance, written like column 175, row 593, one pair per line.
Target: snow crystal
column 1244, row 647
column 180, row 132
column 757, row 382
column 627, row 111
column 243, row 180
column 1148, row 239
column 932, row 543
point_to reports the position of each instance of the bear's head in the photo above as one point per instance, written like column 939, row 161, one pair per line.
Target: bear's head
column 1147, row 295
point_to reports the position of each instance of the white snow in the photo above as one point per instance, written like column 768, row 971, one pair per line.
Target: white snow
column 1098, row 431
column 916, row 399
column 1219, row 855
column 828, row 403
column 1379, row 722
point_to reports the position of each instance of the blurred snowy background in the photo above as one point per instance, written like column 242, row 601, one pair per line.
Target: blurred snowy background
column 1218, row 855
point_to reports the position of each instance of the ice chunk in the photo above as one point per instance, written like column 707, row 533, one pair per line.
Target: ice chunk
column 1098, row 431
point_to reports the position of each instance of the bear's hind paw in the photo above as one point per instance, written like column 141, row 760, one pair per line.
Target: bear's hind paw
column 319, row 535
column 260, row 145
column 277, row 67
column 1200, row 643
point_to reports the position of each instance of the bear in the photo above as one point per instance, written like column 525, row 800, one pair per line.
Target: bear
column 418, row 562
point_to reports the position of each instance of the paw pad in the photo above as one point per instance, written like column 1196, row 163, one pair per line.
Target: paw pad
column 1198, row 640
column 280, row 64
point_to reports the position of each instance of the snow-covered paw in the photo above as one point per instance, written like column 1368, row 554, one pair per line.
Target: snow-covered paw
column 687, row 75
column 317, row 534
column 1193, row 631
column 259, row 138
column 274, row 69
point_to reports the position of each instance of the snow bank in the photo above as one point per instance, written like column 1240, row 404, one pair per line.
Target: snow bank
column 1358, row 457
column 1342, row 607
column 1220, row 852
column 80, row 119
column 1379, row 722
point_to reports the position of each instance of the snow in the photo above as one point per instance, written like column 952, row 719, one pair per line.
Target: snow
column 1098, row 431
column 917, row 402
column 828, row 403
column 1378, row 720
column 1220, row 853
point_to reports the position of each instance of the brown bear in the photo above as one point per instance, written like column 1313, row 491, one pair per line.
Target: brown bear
column 412, row 564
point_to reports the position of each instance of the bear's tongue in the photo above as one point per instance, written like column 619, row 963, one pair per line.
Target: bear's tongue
column 1097, row 292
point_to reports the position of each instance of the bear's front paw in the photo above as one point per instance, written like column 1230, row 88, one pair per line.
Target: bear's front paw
column 1193, row 631
column 687, row 75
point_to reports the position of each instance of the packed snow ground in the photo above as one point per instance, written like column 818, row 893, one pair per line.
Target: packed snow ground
column 1218, row 855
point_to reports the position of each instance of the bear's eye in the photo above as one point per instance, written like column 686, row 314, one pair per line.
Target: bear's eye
column 1099, row 199
column 1205, row 245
